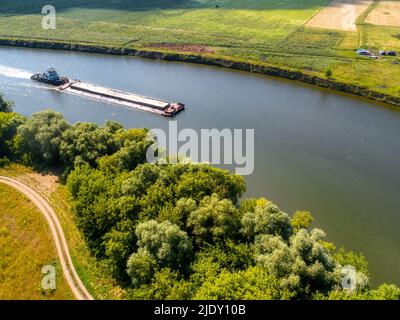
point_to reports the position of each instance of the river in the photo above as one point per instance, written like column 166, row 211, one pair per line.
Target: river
column 334, row 155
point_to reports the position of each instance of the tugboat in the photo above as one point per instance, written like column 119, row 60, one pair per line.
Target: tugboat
column 51, row 77
column 173, row 109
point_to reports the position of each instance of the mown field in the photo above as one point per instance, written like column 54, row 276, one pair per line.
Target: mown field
column 265, row 32
column 25, row 247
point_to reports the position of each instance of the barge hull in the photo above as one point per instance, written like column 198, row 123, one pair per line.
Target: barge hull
column 126, row 99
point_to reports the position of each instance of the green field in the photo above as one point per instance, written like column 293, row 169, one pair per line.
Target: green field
column 264, row 32
column 25, row 247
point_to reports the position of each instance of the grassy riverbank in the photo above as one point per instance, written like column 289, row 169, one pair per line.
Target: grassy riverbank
column 93, row 273
column 25, row 247
column 265, row 34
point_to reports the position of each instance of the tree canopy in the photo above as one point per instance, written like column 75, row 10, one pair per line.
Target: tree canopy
column 180, row 231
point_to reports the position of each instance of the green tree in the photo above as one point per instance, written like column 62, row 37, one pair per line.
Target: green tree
column 251, row 284
column 39, row 137
column 301, row 220
column 214, row 221
column 351, row 258
column 266, row 219
column 88, row 142
column 141, row 267
column 328, row 73
column 179, row 213
column 5, row 105
column 167, row 243
column 200, row 180
column 303, row 264
column 119, row 242
column 383, row 292
column 9, row 123
column 165, row 285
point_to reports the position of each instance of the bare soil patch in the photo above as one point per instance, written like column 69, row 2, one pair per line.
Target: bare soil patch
column 183, row 47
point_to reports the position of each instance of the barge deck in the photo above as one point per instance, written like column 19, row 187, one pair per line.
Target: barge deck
column 126, row 99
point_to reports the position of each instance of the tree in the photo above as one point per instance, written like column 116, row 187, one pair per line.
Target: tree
column 383, row 292
column 164, row 285
column 328, row 73
column 9, row 123
column 119, row 242
column 202, row 180
column 251, row 284
column 266, row 219
column 165, row 242
column 303, row 264
column 178, row 214
column 39, row 138
column 358, row 261
column 5, row 105
column 228, row 255
column 301, row 220
column 88, row 142
column 213, row 221
column 141, row 267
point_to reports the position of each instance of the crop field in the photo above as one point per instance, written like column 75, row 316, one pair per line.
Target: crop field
column 386, row 13
column 340, row 15
column 311, row 36
column 25, row 247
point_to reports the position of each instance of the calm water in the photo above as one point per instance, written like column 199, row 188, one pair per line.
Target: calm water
column 334, row 155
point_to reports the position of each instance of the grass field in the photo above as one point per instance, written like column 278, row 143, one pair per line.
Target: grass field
column 25, row 247
column 93, row 273
column 264, row 32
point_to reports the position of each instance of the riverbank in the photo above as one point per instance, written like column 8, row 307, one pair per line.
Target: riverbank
column 211, row 61
column 26, row 246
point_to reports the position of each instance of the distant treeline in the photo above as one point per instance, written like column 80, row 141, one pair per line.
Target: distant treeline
column 180, row 231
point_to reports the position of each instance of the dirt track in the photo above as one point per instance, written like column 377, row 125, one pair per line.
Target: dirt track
column 70, row 274
column 339, row 15
column 387, row 13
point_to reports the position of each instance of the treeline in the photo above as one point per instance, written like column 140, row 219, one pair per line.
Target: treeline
column 180, row 231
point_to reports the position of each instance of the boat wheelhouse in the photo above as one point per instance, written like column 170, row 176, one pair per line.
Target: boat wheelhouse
column 51, row 77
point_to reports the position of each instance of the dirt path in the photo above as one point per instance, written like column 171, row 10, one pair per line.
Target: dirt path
column 70, row 274
column 339, row 15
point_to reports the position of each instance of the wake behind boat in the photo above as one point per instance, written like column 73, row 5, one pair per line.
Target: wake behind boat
column 126, row 99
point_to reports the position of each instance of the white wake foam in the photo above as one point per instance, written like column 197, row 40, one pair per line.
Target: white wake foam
column 14, row 73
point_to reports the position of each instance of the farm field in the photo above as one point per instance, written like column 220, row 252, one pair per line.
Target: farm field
column 25, row 247
column 310, row 36
column 340, row 15
column 386, row 13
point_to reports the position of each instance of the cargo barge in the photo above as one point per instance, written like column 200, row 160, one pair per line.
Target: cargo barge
column 126, row 99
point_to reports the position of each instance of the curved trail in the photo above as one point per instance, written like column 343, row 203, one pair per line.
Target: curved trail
column 70, row 274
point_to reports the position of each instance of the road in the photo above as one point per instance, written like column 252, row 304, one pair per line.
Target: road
column 70, row 274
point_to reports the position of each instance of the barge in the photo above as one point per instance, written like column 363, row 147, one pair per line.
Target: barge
column 126, row 99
